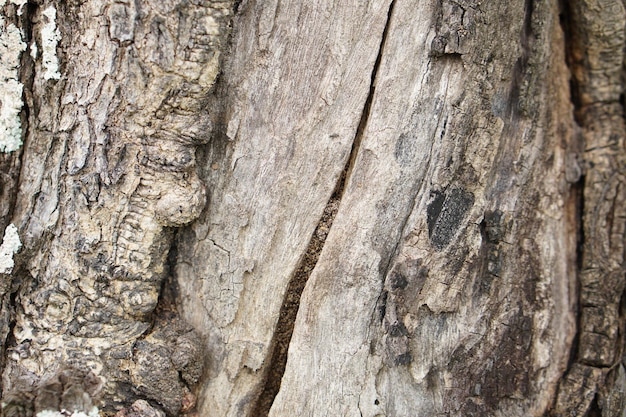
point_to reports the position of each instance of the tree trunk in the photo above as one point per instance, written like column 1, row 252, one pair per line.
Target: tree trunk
column 283, row 208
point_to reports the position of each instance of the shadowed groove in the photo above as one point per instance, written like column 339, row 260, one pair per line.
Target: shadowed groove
column 291, row 302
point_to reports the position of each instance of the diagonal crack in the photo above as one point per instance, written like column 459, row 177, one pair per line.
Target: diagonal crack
column 291, row 302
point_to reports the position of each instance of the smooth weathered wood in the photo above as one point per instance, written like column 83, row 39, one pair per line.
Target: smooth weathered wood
column 447, row 283
column 291, row 99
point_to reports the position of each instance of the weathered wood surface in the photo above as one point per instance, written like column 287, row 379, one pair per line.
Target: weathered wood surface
column 290, row 101
column 447, row 282
column 455, row 204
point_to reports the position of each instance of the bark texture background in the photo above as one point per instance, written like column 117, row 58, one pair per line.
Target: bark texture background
column 281, row 208
column 108, row 171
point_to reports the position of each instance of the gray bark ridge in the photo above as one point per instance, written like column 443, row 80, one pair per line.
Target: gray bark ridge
column 109, row 172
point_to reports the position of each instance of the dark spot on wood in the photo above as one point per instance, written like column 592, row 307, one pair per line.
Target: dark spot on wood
column 433, row 210
column 494, row 227
column 445, row 214
column 382, row 306
column 438, row 46
column 398, row 281
column 507, row 377
column 432, row 379
column 405, row 149
column 398, row 330
column 403, row 359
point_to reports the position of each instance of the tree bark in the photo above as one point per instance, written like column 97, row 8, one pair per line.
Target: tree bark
column 381, row 208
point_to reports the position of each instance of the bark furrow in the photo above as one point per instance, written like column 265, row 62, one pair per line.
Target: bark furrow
column 595, row 44
column 289, row 309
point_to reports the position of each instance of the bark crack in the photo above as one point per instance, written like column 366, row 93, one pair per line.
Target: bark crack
column 291, row 301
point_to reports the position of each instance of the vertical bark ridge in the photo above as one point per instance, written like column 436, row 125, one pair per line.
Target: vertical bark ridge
column 10, row 169
column 595, row 38
column 291, row 301
column 457, row 297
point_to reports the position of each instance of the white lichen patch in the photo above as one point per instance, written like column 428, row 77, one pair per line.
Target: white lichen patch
column 33, row 50
column 50, row 36
column 10, row 245
column 11, row 47
column 49, row 413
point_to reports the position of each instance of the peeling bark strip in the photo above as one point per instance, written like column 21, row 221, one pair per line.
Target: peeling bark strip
column 596, row 40
column 117, row 111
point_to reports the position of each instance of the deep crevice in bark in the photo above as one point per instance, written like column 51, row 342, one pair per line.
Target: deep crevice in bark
column 594, row 408
column 565, row 21
column 168, row 291
column 578, row 191
column 356, row 144
column 581, row 35
column 578, row 188
column 290, row 306
column 291, row 301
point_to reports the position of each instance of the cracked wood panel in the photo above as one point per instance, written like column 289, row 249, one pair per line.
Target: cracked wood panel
column 108, row 174
column 291, row 99
column 447, row 283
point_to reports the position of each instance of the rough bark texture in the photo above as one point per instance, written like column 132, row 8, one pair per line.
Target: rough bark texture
column 271, row 173
column 108, row 171
column 285, row 208
column 596, row 378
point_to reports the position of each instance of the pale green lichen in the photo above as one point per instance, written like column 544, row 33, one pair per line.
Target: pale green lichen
column 11, row 47
column 50, row 36
column 10, row 245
